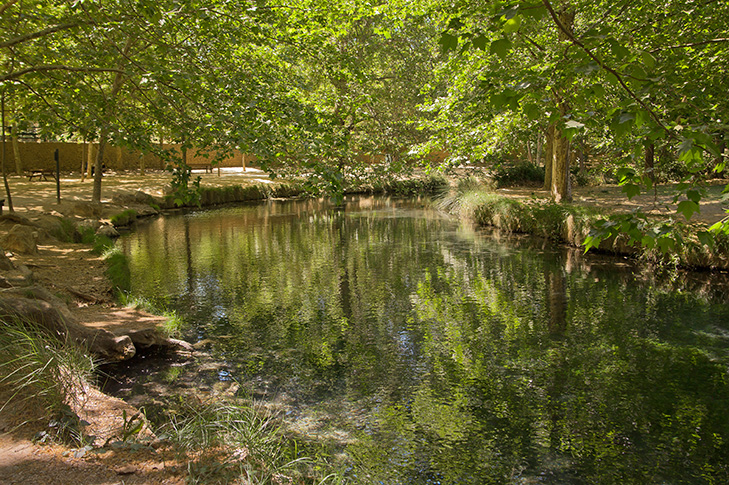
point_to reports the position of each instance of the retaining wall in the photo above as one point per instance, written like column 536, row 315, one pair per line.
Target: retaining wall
column 40, row 156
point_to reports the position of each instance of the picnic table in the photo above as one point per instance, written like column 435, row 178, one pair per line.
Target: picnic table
column 208, row 167
column 41, row 174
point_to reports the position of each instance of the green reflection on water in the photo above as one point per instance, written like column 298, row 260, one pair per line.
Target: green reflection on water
column 434, row 354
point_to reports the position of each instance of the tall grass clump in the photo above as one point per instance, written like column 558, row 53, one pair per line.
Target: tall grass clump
column 225, row 442
column 39, row 371
column 463, row 197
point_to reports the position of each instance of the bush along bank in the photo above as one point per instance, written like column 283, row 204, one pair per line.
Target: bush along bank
column 657, row 241
column 232, row 194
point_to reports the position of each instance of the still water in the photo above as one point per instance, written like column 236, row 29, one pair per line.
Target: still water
column 431, row 352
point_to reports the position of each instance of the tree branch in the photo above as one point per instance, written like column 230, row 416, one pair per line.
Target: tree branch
column 692, row 44
column 7, row 5
column 570, row 36
column 53, row 67
column 40, row 33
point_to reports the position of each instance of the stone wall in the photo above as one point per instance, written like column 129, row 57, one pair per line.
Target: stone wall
column 40, row 156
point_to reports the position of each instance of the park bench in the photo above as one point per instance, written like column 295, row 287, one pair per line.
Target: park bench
column 208, row 167
column 41, row 174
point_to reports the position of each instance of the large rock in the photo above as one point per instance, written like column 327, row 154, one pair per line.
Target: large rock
column 87, row 210
column 21, row 239
column 108, row 231
column 49, row 312
column 137, row 198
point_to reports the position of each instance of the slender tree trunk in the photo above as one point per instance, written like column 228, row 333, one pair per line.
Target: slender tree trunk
column 529, row 152
column 84, row 153
column 89, row 157
column 560, row 189
column 583, row 155
column 98, row 164
column 16, row 150
column 538, row 149
column 142, row 164
column 2, row 164
column 549, row 156
column 650, row 159
column 103, row 139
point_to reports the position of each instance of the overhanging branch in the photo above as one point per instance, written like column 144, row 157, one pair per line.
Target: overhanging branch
column 54, row 67
column 36, row 35
column 570, row 36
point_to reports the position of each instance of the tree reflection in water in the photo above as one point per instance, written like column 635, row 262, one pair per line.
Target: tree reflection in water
column 444, row 355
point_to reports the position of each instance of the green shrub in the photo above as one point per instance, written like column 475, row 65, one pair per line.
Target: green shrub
column 118, row 270
column 522, row 173
column 124, row 218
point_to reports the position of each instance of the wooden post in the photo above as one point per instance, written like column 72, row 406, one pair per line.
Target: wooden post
column 243, row 161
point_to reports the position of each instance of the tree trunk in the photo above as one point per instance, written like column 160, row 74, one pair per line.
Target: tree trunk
column 538, row 149
column 142, row 164
column 549, row 156
column 560, row 189
column 103, row 139
column 650, row 159
column 529, row 152
column 89, row 157
column 16, row 150
column 98, row 164
column 84, row 153
column 5, row 175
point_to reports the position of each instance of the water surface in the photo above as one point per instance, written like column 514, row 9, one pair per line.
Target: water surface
column 434, row 353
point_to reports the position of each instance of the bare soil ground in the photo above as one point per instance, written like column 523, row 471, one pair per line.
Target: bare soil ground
column 73, row 271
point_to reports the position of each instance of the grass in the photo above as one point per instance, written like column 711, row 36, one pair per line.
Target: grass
column 124, row 218
column 39, row 370
column 225, row 442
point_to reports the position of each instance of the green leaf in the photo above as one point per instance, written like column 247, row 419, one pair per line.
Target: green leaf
column 598, row 90
column 631, row 190
column 666, row 244
column 512, row 25
column 648, row 60
column 500, row 47
column 687, row 208
column 448, row 42
column 479, row 42
column 532, row 111
column 618, row 50
column 694, row 194
column 706, row 238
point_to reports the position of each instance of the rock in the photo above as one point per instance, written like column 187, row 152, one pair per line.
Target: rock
column 138, row 197
column 87, row 210
column 94, row 224
column 108, row 231
column 21, row 239
column 180, row 344
column 52, row 314
column 5, row 263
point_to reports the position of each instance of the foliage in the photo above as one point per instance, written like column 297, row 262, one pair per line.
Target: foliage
column 124, row 218
column 182, row 194
column 523, row 173
column 117, row 270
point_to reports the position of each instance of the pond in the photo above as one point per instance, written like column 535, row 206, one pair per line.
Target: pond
column 431, row 352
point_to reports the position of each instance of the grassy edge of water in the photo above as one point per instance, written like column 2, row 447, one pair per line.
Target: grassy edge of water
column 572, row 224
